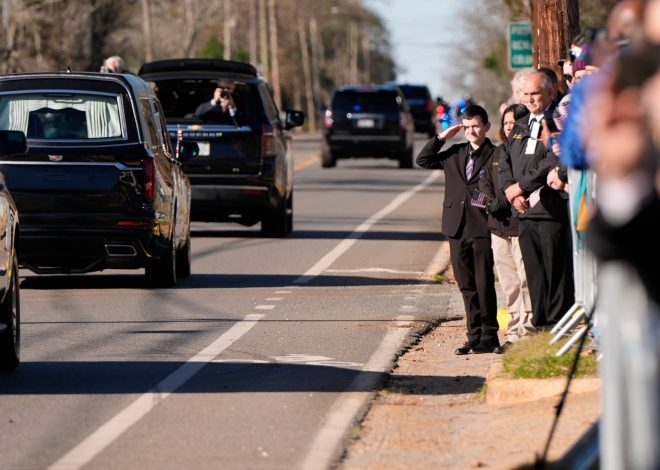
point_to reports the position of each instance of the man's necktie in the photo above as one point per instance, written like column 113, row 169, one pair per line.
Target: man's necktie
column 534, row 128
column 470, row 165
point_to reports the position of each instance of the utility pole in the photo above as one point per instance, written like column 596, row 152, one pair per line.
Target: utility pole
column 228, row 26
column 263, row 40
column 252, row 38
column 146, row 29
column 316, row 68
column 307, row 74
column 274, row 50
column 554, row 25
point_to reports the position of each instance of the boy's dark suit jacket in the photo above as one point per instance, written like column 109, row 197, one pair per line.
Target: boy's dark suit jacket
column 459, row 217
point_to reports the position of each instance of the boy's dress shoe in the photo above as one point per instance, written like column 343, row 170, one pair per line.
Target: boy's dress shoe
column 485, row 347
column 465, row 349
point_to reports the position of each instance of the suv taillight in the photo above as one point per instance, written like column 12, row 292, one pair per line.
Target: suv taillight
column 403, row 119
column 267, row 140
column 149, row 168
column 327, row 119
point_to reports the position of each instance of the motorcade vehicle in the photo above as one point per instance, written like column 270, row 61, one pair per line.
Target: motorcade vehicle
column 368, row 121
column 99, row 186
column 244, row 170
column 421, row 106
column 11, row 142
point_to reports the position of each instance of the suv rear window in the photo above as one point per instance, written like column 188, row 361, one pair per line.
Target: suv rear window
column 180, row 97
column 366, row 102
column 61, row 115
column 415, row 92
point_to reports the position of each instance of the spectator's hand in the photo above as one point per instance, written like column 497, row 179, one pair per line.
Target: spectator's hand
column 520, row 203
column 556, row 148
column 553, row 180
column 450, row 132
column 513, row 191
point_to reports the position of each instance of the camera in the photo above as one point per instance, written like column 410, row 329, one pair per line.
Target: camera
column 224, row 93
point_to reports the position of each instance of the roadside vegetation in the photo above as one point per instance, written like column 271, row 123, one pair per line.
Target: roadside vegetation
column 534, row 358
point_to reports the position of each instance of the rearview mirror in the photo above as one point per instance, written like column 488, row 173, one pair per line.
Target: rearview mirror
column 12, row 142
column 294, row 119
column 187, row 150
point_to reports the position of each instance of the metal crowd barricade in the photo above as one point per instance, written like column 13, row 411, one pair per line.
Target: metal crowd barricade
column 584, row 264
column 629, row 370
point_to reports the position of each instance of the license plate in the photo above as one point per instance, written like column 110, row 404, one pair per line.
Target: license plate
column 204, row 149
column 366, row 123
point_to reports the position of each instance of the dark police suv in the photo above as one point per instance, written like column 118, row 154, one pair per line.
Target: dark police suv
column 100, row 186
column 244, row 170
column 368, row 121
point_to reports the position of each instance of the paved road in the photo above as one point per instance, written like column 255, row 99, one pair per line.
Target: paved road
column 262, row 359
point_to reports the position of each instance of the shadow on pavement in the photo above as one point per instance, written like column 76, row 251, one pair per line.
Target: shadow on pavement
column 98, row 377
column 205, row 281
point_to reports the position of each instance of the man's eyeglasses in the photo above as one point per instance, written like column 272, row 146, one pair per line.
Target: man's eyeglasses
column 568, row 77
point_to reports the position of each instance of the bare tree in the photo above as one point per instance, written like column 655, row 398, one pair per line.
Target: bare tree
column 146, row 29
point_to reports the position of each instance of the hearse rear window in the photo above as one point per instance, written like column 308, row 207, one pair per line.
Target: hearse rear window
column 62, row 116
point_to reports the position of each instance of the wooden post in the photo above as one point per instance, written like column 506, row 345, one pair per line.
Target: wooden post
column 555, row 24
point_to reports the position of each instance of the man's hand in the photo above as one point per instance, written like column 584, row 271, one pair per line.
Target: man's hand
column 553, row 180
column 450, row 132
column 513, row 191
column 520, row 203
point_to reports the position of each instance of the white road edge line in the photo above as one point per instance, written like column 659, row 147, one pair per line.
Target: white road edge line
column 334, row 254
column 96, row 442
column 328, row 441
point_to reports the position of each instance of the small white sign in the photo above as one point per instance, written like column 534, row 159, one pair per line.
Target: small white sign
column 204, row 149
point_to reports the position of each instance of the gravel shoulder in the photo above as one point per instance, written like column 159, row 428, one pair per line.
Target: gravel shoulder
column 432, row 413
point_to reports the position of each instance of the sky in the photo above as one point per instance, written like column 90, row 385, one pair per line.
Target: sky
column 422, row 31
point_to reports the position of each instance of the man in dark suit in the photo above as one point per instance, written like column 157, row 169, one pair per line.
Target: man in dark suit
column 544, row 232
column 464, row 221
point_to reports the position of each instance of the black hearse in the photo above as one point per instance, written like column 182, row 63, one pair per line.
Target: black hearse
column 100, row 185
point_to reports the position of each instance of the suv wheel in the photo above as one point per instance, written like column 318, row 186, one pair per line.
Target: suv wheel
column 184, row 259
column 162, row 272
column 276, row 222
column 406, row 160
column 328, row 160
column 10, row 315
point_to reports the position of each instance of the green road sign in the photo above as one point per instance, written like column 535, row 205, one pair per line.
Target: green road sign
column 520, row 45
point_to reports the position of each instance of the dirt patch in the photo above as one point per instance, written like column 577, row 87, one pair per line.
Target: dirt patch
column 433, row 414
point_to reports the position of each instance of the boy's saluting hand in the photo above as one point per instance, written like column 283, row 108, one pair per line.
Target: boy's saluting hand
column 450, row 132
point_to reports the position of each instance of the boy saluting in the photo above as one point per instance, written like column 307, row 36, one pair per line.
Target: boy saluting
column 465, row 223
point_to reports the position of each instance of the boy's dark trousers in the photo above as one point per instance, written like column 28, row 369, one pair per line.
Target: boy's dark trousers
column 472, row 261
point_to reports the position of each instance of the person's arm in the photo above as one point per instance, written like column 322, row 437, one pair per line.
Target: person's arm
column 537, row 177
column 203, row 109
column 496, row 199
column 430, row 156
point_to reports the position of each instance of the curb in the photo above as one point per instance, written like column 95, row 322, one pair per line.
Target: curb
column 503, row 390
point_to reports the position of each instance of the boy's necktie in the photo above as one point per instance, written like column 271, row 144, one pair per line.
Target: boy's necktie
column 470, row 165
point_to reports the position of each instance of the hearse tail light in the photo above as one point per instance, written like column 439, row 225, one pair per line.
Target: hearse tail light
column 149, row 168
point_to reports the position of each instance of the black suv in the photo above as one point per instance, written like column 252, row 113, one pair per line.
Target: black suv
column 368, row 121
column 421, row 106
column 244, row 170
column 100, row 186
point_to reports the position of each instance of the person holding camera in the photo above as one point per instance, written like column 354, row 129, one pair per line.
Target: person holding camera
column 221, row 107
